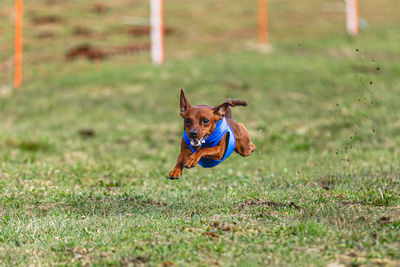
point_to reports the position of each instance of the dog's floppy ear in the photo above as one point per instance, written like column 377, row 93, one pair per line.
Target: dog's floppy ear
column 220, row 110
column 184, row 103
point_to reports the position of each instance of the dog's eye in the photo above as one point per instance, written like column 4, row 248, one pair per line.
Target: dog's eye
column 188, row 121
column 205, row 121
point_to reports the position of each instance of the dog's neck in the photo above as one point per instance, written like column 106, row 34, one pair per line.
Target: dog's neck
column 213, row 139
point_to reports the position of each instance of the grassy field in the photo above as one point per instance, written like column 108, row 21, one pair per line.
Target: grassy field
column 85, row 150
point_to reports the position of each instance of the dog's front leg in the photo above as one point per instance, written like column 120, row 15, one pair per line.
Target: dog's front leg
column 209, row 152
column 182, row 157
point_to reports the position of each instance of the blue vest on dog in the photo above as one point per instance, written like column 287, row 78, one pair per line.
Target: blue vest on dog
column 221, row 129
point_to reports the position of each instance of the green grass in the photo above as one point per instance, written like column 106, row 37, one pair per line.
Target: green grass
column 85, row 150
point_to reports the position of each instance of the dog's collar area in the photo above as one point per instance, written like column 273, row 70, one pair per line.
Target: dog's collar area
column 209, row 140
column 221, row 129
column 198, row 142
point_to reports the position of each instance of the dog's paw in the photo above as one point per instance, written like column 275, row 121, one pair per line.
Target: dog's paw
column 191, row 161
column 253, row 147
column 175, row 174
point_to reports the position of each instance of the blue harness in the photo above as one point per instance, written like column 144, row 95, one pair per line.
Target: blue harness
column 221, row 129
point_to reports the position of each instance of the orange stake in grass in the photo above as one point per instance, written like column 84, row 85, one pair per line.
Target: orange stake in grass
column 262, row 22
column 18, row 44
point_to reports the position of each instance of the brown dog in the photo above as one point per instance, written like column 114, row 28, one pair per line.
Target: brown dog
column 202, row 123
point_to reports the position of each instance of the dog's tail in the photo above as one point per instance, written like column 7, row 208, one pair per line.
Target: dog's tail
column 233, row 103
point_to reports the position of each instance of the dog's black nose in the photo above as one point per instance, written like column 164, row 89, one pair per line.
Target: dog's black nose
column 193, row 133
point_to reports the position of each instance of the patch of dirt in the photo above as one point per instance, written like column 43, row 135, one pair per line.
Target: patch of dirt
column 78, row 251
column 263, row 202
column 223, row 226
column 191, row 229
column 168, row 263
column 48, row 19
column 328, row 182
column 362, row 260
column 47, row 206
column 99, row 8
column 4, row 175
column 88, row 133
column 335, row 264
column 211, row 234
column 130, row 49
column 384, row 219
column 5, row 90
column 91, row 53
column 364, row 203
column 194, row 213
column 155, row 203
column 139, row 31
column 82, row 31
column 134, row 261
column 85, row 51
column 352, row 203
column 349, row 203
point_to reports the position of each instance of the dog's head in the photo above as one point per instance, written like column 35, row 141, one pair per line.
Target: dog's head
column 200, row 120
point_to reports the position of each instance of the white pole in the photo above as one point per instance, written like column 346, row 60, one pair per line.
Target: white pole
column 353, row 26
column 157, row 31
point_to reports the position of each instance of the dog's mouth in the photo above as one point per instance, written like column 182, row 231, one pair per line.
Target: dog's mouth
column 198, row 142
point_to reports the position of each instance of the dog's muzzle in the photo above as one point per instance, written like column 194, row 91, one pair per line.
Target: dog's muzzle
column 198, row 142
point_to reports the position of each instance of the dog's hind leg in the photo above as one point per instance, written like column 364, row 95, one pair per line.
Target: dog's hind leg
column 244, row 146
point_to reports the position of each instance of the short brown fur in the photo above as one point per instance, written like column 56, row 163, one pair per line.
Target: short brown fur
column 202, row 119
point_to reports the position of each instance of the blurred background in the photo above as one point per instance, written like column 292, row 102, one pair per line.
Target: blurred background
column 118, row 31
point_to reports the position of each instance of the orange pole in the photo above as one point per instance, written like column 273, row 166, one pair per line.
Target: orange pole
column 18, row 44
column 262, row 21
